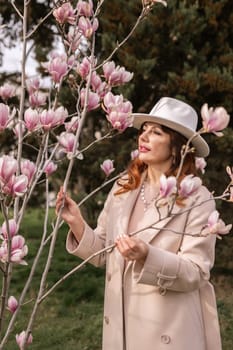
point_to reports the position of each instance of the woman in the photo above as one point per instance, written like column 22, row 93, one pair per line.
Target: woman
column 157, row 293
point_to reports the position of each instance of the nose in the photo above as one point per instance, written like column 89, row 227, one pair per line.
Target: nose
column 144, row 134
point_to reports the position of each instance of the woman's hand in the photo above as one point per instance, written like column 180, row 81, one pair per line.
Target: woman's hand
column 132, row 248
column 70, row 209
column 70, row 213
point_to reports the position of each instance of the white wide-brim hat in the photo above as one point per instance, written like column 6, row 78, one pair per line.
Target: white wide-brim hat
column 176, row 115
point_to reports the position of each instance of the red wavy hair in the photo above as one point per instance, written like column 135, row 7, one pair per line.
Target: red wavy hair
column 137, row 167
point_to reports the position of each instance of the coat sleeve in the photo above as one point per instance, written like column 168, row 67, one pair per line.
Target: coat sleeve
column 190, row 268
column 93, row 240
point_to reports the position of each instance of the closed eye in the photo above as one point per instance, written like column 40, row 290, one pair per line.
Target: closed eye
column 152, row 129
column 157, row 131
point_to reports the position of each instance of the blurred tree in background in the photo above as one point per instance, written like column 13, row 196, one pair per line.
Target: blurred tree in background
column 184, row 51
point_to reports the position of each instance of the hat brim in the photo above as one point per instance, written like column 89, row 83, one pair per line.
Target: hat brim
column 200, row 145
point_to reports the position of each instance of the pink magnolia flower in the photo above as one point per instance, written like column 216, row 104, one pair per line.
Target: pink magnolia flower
column 84, row 67
column 19, row 126
column 96, row 81
column 110, row 101
column 134, row 154
column 99, row 86
column 67, row 141
column 71, row 61
column 200, row 164
column 93, row 99
column 85, row 8
column 120, row 119
column 31, row 119
column 74, row 38
column 18, row 250
column 189, row 186
column 57, row 67
column 33, row 85
column 12, row 304
column 167, row 186
column 7, row 91
column 16, row 186
column 48, row 119
column 103, row 89
column 49, row 167
column 20, row 339
column 52, row 118
column 8, row 166
column 61, row 115
column 113, row 102
column 87, row 27
column 28, row 168
column 4, row 116
column 119, row 112
column 13, row 228
column 214, row 119
column 65, row 13
column 72, row 125
column 216, row 225
column 20, row 185
column 116, row 75
column 37, row 99
column 107, row 167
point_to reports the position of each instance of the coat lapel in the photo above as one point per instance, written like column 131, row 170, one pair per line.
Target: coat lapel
column 155, row 220
column 119, row 219
column 126, row 206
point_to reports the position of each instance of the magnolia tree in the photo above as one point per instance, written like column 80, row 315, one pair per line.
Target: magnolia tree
column 57, row 131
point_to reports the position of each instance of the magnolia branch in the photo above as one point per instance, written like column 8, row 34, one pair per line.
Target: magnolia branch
column 109, row 248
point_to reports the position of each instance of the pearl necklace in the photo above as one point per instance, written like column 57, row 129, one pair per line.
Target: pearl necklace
column 146, row 203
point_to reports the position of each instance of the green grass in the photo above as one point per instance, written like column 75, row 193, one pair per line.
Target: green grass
column 70, row 328
column 225, row 309
column 71, row 317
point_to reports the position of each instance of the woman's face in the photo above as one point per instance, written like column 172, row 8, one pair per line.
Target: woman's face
column 154, row 147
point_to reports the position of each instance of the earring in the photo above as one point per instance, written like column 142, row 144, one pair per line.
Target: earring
column 173, row 159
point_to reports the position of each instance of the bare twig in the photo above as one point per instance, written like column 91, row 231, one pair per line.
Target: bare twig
column 109, row 248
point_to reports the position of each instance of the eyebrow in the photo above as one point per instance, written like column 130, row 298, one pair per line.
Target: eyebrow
column 153, row 125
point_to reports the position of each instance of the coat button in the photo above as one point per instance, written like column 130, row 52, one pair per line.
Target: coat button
column 109, row 277
column 106, row 319
column 162, row 291
column 165, row 339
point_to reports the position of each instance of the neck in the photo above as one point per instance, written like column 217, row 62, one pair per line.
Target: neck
column 153, row 176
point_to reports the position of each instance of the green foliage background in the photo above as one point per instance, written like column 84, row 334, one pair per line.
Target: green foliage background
column 184, row 51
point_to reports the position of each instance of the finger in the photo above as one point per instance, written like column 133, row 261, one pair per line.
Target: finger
column 132, row 243
column 60, row 202
column 123, row 247
column 58, row 205
column 60, row 192
column 59, row 197
column 120, row 240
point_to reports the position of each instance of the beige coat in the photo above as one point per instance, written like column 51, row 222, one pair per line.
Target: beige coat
column 168, row 303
